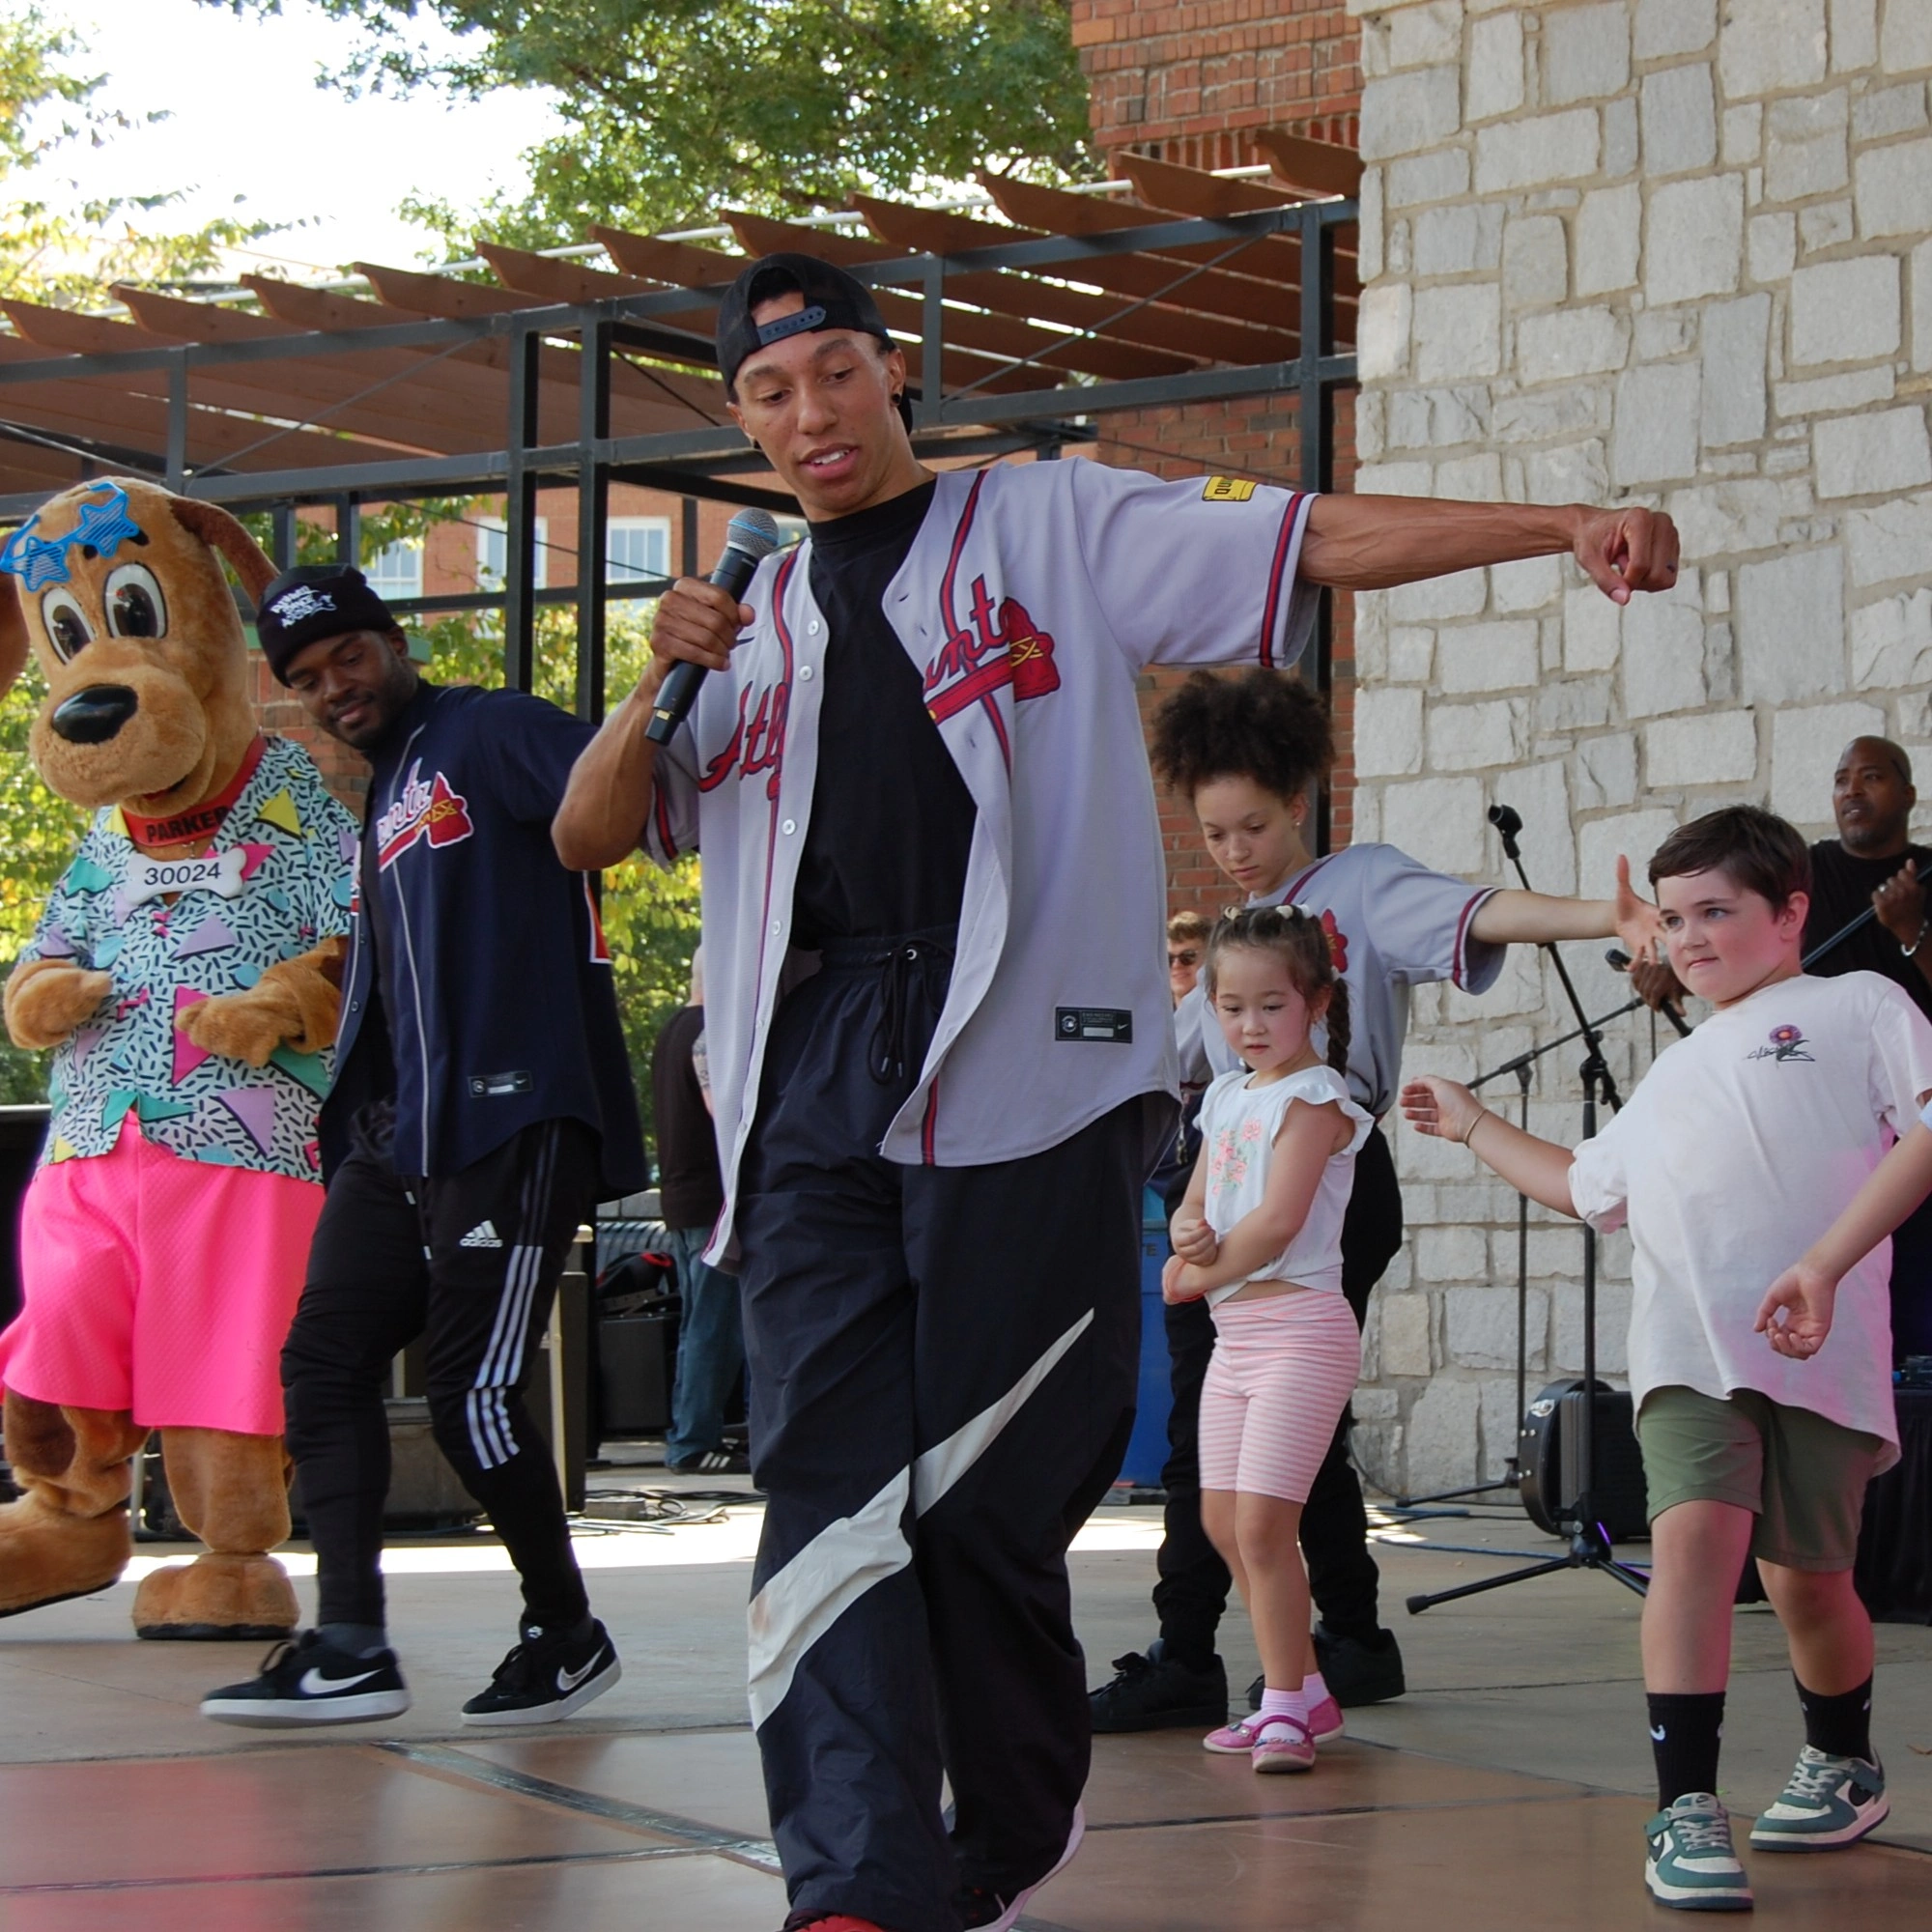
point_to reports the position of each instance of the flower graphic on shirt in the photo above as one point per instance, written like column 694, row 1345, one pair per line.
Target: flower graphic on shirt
column 1787, row 1043
column 1227, row 1161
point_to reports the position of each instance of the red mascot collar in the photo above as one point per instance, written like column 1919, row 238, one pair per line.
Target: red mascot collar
column 200, row 821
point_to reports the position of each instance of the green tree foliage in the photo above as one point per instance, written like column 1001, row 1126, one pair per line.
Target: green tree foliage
column 678, row 104
column 38, row 834
column 49, row 104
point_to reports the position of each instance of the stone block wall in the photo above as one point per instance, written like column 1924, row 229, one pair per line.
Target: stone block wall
column 1676, row 252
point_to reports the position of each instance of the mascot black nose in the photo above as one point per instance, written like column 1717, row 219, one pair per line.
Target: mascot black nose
column 92, row 716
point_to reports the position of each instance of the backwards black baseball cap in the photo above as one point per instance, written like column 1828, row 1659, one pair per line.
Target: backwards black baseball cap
column 315, row 600
column 832, row 299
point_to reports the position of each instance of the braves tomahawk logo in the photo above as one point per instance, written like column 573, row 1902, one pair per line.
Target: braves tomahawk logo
column 429, row 811
column 1003, row 646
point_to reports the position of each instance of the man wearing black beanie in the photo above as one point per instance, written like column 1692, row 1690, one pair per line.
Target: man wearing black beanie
column 482, row 1101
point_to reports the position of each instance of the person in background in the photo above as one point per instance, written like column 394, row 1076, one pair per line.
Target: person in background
column 482, row 1103
column 1186, row 948
column 1873, row 862
column 1247, row 755
column 710, row 1334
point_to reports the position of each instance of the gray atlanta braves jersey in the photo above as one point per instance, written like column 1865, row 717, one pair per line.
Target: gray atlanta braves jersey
column 1392, row 923
column 1031, row 601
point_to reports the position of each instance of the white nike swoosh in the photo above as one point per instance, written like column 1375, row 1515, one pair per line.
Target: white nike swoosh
column 567, row 1681
column 1657, row 1732
column 315, row 1684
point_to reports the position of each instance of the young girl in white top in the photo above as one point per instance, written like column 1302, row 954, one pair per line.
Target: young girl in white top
column 1258, row 1235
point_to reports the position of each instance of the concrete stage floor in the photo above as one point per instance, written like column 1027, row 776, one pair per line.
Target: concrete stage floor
column 1507, row 1788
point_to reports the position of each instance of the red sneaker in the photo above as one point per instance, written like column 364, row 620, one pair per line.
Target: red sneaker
column 838, row 1922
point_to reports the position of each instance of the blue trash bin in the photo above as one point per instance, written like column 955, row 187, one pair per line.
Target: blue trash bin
column 1146, row 1447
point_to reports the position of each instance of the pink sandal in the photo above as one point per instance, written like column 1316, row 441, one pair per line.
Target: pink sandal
column 1233, row 1739
column 1282, row 1744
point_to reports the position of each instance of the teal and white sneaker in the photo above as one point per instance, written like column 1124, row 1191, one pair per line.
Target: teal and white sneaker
column 1692, row 1866
column 1827, row 1803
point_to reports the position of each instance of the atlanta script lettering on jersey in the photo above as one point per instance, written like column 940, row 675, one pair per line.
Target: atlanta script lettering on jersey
column 429, row 811
column 758, row 744
column 1001, row 647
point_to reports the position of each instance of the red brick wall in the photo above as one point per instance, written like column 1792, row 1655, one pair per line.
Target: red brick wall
column 1188, row 84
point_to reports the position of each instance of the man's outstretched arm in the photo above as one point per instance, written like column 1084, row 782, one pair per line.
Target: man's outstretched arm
column 1373, row 543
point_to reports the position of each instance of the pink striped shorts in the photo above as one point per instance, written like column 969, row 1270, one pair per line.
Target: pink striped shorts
column 160, row 1286
column 1284, row 1368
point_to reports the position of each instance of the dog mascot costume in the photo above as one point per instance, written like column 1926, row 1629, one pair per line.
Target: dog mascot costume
column 184, row 972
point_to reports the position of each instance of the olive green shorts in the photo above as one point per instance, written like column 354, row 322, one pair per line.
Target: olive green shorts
column 1803, row 1477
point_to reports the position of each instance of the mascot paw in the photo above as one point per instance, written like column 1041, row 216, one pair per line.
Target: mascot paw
column 46, row 1001
column 218, row 1599
column 241, row 1026
column 47, row 1556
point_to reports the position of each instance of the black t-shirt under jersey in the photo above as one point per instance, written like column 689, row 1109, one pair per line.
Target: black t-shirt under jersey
column 892, row 819
column 1842, row 886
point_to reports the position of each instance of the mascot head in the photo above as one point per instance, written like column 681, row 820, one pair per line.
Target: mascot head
column 116, row 587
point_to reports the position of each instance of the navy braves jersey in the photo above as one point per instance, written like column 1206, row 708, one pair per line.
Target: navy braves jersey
column 478, row 990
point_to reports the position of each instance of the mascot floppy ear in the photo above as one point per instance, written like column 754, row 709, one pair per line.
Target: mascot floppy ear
column 218, row 530
column 12, row 633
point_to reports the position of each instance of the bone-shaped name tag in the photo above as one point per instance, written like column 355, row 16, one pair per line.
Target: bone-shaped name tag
column 219, row 872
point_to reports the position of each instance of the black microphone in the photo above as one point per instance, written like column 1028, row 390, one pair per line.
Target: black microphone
column 1509, row 822
column 750, row 536
column 1617, row 958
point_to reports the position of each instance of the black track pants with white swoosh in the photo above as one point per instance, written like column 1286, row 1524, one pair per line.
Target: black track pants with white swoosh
column 943, row 1365
column 470, row 1264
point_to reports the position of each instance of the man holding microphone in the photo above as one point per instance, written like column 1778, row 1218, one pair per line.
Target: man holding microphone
column 942, row 1052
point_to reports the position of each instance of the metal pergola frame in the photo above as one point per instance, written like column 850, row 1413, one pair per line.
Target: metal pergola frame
column 705, row 462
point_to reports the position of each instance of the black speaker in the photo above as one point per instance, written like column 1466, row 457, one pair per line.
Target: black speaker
column 1548, row 1451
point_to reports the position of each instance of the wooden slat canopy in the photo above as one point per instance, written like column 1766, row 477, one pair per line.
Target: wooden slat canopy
column 410, row 388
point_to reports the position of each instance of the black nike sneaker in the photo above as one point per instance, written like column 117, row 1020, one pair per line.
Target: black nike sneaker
column 1157, row 1692
column 311, row 1682
column 546, row 1677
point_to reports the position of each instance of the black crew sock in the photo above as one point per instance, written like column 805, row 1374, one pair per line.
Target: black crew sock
column 1840, row 1726
column 1686, row 1730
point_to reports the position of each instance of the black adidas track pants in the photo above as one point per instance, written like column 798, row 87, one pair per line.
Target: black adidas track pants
column 469, row 1263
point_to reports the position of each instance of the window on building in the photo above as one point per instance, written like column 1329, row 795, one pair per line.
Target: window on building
column 396, row 571
column 636, row 547
column 493, row 553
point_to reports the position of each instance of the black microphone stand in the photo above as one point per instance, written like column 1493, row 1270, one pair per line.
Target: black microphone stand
column 1590, row 1546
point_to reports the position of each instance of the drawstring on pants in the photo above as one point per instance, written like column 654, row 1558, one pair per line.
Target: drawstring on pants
column 914, row 971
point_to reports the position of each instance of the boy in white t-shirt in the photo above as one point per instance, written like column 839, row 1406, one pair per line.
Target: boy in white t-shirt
column 1744, row 1143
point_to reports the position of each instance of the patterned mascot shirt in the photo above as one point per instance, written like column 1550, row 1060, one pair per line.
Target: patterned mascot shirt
column 274, row 882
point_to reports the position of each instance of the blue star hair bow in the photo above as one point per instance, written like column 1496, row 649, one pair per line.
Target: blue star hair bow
column 103, row 526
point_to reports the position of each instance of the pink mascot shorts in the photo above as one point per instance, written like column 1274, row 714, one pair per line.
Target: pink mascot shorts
column 160, row 1286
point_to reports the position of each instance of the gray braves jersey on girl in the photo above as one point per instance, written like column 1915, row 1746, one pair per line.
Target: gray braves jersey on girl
column 1392, row 925
column 1031, row 601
